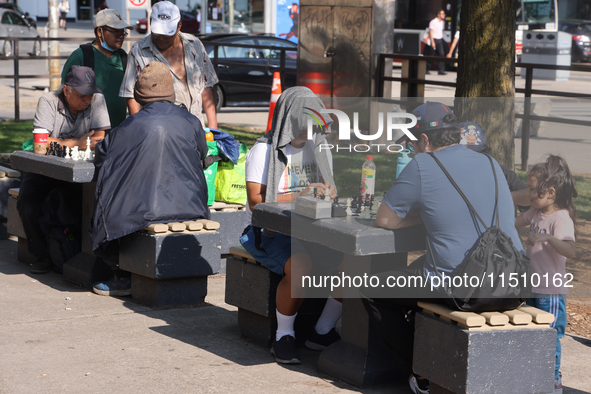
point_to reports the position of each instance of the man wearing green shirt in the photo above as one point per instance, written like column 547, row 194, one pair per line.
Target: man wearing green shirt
column 109, row 68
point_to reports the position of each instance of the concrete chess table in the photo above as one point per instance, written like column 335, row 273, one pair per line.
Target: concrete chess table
column 359, row 358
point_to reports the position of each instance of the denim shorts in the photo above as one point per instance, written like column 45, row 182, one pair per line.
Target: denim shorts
column 278, row 249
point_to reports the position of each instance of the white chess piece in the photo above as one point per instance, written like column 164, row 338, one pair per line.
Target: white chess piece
column 68, row 153
column 87, row 151
column 348, row 210
column 374, row 209
column 74, row 153
column 327, row 195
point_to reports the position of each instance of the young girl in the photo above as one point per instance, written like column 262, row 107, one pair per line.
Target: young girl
column 551, row 241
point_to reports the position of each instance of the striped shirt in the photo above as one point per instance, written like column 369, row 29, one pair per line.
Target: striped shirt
column 199, row 69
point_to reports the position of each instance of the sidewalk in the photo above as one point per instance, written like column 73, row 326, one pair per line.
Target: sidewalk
column 60, row 338
column 57, row 337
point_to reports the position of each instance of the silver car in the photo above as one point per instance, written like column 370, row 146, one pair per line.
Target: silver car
column 13, row 25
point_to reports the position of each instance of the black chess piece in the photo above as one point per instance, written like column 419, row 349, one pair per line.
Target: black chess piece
column 47, row 151
column 336, row 200
column 315, row 192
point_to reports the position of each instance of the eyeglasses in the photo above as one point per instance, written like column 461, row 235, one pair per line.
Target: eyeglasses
column 117, row 33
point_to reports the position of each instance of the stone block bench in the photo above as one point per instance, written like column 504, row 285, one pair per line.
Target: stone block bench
column 491, row 352
column 232, row 219
column 9, row 179
column 251, row 287
column 169, row 263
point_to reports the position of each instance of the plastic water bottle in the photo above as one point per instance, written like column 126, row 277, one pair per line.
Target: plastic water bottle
column 368, row 176
column 208, row 134
column 403, row 160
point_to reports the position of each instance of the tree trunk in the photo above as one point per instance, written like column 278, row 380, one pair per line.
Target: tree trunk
column 486, row 72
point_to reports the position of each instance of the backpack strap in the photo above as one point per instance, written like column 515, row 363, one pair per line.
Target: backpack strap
column 496, row 215
column 123, row 56
column 88, row 55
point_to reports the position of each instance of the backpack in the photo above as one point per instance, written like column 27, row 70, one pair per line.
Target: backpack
column 88, row 55
column 504, row 274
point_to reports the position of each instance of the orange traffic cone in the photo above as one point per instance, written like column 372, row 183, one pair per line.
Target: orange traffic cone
column 275, row 93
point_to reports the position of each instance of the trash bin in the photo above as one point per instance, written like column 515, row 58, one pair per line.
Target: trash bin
column 547, row 47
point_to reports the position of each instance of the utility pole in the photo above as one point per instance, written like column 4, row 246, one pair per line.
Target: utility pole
column 54, row 46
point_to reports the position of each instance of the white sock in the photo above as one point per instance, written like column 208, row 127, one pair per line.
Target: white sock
column 330, row 315
column 284, row 325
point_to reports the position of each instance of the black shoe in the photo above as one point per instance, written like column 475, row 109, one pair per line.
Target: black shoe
column 441, row 73
column 41, row 266
column 285, row 351
column 320, row 342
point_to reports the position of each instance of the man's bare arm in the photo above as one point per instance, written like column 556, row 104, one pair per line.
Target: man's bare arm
column 133, row 106
column 209, row 108
column 387, row 218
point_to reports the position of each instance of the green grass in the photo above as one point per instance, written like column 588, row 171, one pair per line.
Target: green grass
column 582, row 202
column 347, row 167
column 12, row 135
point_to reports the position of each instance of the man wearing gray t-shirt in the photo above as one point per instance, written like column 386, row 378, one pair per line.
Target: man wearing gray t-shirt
column 423, row 194
column 72, row 114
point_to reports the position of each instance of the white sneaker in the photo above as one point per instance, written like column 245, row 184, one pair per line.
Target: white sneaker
column 558, row 384
column 414, row 385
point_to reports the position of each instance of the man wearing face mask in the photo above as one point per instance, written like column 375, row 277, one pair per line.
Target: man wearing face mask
column 108, row 60
column 192, row 71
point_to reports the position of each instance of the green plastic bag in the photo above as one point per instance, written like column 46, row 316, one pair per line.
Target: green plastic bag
column 210, row 172
column 28, row 144
column 230, row 183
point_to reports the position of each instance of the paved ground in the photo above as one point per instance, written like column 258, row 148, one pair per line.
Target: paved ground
column 59, row 338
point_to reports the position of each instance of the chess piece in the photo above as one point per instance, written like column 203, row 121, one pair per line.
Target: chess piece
column 315, row 193
column 348, row 210
column 75, row 153
column 374, row 208
column 68, row 153
column 87, row 151
column 327, row 197
column 336, row 200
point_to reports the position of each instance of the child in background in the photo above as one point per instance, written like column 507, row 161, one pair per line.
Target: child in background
column 551, row 241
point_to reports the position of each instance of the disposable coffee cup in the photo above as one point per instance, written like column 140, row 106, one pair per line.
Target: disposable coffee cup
column 40, row 141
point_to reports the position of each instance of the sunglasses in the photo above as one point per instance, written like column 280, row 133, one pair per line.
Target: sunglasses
column 117, row 33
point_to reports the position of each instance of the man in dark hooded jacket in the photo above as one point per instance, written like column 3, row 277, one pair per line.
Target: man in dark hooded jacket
column 149, row 171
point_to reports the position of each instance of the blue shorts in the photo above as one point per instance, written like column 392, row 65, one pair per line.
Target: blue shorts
column 278, row 249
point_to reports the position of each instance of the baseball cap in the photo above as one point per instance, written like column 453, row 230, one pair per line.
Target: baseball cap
column 165, row 18
column 473, row 136
column 430, row 116
column 82, row 79
column 110, row 18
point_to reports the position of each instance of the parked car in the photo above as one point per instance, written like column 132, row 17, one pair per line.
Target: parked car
column 12, row 25
column 228, row 94
column 188, row 19
column 18, row 10
column 581, row 45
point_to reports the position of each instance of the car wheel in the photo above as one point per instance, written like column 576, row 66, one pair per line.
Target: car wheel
column 7, row 50
column 36, row 49
column 218, row 97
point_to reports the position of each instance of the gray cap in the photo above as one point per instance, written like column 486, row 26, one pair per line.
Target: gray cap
column 110, row 18
column 82, row 79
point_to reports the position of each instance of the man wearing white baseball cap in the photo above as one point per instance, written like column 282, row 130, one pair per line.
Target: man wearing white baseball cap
column 192, row 71
column 108, row 60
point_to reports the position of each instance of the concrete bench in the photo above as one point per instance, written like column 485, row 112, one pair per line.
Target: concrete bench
column 491, row 352
column 251, row 287
column 14, row 226
column 232, row 219
column 9, row 179
column 169, row 263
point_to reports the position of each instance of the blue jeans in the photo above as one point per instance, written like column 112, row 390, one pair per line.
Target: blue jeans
column 556, row 305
